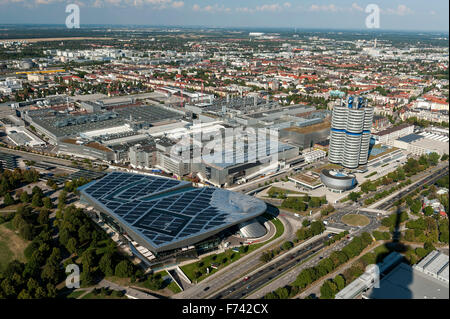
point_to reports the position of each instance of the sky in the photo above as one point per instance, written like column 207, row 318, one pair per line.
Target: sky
column 412, row 15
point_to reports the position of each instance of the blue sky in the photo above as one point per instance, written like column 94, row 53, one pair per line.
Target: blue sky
column 430, row 15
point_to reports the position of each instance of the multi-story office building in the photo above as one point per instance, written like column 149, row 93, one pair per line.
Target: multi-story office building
column 350, row 133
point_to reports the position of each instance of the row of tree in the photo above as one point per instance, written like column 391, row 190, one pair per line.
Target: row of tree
column 302, row 203
column 11, row 180
column 324, row 267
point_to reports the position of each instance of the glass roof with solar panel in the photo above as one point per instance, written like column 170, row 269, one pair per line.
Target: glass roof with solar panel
column 165, row 211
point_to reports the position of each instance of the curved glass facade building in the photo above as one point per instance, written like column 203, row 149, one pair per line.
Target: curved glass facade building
column 350, row 133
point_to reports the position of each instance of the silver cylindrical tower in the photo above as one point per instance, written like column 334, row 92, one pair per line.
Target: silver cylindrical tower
column 350, row 133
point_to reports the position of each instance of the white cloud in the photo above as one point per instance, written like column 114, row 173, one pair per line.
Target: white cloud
column 154, row 4
column 276, row 7
column 401, row 10
column 356, row 7
column 326, row 8
column 211, row 8
column 269, row 7
column 177, row 4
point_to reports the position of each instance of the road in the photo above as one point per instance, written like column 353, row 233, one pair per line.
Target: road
column 238, row 269
column 291, row 274
column 335, row 222
column 253, row 184
column 427, row 180
column 245, row 286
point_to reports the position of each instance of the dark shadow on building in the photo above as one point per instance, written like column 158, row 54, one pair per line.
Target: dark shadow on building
column 395, row 245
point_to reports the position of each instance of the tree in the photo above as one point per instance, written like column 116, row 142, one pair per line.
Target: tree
column 43, row 217
column 52, row 184
column 24, row 295
column 366, row 238
column 39, row 293
column 354, row 196
column 62, row 199
column 24, row 197
column 287, row 245
column 339, row 281
column 47, row 202
column 306, row 277
column 50, row 272
column 368, row 186
column 409, row 235
column 327, row 291
column 243, row 249
column 106, row 264
column 282, row 293
column 37, row 190
column 37, row 201
column 71, row 245
column 428, row 246
column 428, row 211
column 327, row 210
column 8, row 200
column 51, row 290
column 124, row 269
column 416, row 207
column 88, row 259
column 84, row 233
column 26, row 231
column 421, row 252
column 266, row 257
column 86, row 278
column 317, row 228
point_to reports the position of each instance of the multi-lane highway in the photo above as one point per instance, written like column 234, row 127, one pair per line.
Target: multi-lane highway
column 248, row 284
column 238, row 269
column 427, row 180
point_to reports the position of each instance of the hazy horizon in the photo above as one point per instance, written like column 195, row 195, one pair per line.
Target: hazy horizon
column 413, row 15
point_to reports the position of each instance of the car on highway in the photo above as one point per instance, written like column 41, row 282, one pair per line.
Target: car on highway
column 246, row 278
column 206, row 289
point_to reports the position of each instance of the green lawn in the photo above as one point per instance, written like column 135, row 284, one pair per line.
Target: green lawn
column 355, row 220
column 287, row 191
column 227, row 257
column 75, row 294
column 11, row 246
column 174, row 287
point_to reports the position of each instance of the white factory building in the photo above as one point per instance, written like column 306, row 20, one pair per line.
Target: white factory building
column 423, row 143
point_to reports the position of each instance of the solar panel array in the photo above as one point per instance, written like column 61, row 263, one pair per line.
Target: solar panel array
column 163, row 210
column 8, row 161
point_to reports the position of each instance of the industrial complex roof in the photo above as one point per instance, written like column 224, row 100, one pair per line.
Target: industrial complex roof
column 405, row 282
column 410, row 138
column 166, row 213
column 55, row 123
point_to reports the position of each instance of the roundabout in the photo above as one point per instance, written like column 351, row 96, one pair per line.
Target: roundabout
column 355, row 220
